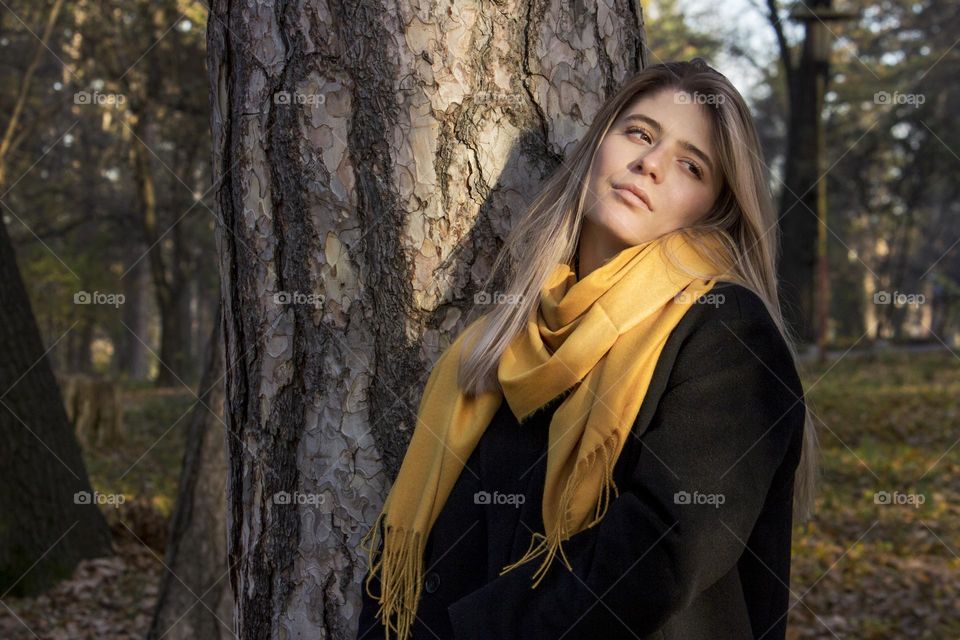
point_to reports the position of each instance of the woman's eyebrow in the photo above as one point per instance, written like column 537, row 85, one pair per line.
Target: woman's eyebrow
column 689, row 146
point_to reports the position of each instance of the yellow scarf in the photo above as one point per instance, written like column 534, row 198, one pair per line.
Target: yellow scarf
column 599, row 338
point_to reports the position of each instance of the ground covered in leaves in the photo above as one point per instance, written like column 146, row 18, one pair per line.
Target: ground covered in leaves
column 862, row 569
column 869, row 566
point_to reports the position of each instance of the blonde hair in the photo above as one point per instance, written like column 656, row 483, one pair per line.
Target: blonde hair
column 743, row 216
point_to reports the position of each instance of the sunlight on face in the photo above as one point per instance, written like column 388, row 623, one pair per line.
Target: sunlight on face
column 653, row 145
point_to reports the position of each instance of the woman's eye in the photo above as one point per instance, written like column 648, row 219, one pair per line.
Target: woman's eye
column 694, row 169
column 637, row 130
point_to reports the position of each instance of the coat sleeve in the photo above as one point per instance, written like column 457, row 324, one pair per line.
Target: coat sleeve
column 733, row 407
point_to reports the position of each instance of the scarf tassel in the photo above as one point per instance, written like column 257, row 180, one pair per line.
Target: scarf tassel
column 401, row 575
column 553, row 544
column 401, row 561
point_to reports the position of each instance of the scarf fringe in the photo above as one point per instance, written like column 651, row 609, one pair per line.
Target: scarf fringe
column 552, row 544
column 401, row 575
column 400, row 563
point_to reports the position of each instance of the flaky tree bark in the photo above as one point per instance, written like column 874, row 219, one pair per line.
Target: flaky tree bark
column 195, row 599
column 369, row 158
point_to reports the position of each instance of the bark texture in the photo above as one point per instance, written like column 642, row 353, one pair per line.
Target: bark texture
column 369, row 159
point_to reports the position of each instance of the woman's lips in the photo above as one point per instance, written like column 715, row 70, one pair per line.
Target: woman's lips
column 631, row 198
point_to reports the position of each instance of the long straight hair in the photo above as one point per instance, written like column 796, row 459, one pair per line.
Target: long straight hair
column 743, row 217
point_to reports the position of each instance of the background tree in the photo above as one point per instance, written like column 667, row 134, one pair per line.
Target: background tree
column 167, row 138
column 125, row 191
column 892, row 122
column 50, row 520
column 798, row 218
column 195, row 599
column 675, row 33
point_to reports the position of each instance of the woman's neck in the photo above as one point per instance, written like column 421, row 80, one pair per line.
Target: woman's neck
column 594, row 248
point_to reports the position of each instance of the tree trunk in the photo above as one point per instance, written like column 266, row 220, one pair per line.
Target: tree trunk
column 77, row 343
column 169, row 279
column 10, row 140
column 367, row 167
column 174, row 354
column 168, row 283
column 195, row 599
column 798, row 200
column 49, row 520
column 133, row 358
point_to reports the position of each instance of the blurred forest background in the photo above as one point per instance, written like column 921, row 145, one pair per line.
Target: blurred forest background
column 107, row 200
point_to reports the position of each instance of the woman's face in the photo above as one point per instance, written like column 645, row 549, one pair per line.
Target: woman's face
column 661, row 144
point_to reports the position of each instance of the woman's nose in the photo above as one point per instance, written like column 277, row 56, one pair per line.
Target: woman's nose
column 650, row 164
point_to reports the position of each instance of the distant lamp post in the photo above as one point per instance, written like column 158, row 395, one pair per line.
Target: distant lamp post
column 817, row 48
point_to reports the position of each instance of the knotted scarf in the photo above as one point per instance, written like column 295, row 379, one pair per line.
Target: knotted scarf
column 597, row 340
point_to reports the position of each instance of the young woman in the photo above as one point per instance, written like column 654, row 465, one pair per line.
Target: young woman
column 619, row 447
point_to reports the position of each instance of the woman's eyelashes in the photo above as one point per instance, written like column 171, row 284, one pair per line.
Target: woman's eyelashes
column 694, row 167
column 639, row 130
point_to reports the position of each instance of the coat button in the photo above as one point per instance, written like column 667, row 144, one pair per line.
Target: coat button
column 432, row 582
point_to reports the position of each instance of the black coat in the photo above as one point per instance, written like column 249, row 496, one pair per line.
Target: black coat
column 723, row 416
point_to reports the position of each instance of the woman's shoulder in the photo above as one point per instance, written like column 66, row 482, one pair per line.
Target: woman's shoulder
column 729, row 308
column 732, row 302
column 731, row 322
